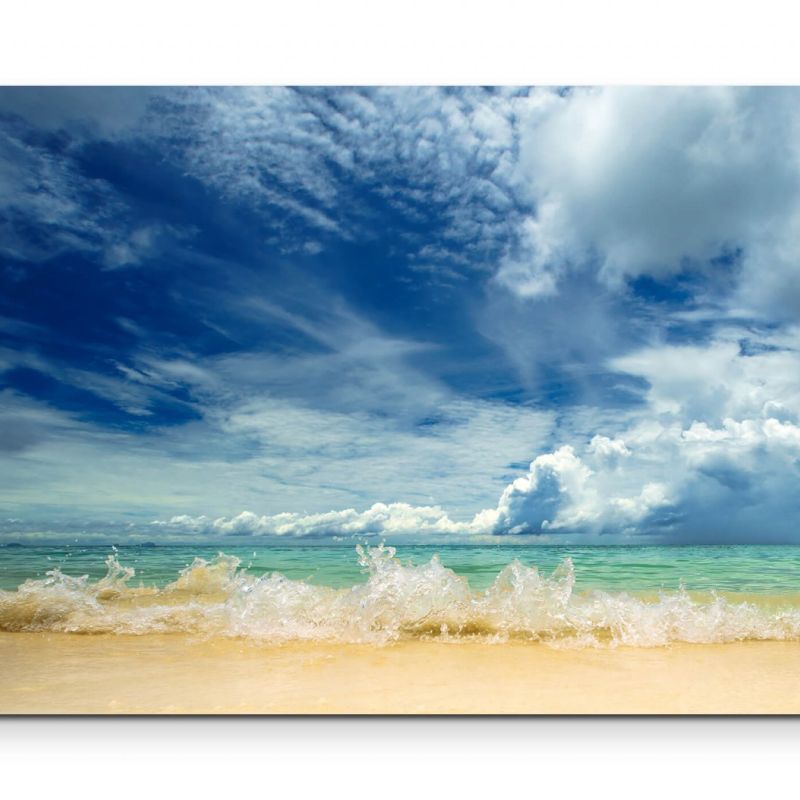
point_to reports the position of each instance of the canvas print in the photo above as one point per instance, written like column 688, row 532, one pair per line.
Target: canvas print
column 399, row 400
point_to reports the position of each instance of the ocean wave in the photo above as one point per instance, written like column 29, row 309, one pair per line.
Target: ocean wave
column 398, row 601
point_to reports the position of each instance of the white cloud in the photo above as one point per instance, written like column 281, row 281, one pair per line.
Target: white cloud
column 642, row 181
column 531, row 185
column 608, row 451
column 128, row 395
column 381, row 518
column 49, row 206
column 716, row 459
column 557, row 493
column 560, row 492
column 140, row 244
column 38, row 187
column 300, row 151
column 709, row 382
column 105, row 111
column 687, row 465
column 712, row 453
column 253, row 449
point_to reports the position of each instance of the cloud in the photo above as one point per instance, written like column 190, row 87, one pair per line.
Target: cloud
column 104, row 111
column 50, row 206
column 660, row 478
column 328, row 159
column 608, row 451
column 381, row 518
column 561, row 493
column 47, row 205
column 324, row 158
column 249, row 447
column 738, row 373
column 713, row 489
column 557, row 493
column 711, row 452
column 712, row 460
column 529, row 185
column 140, row 244
column 637, row 181
column 132, row 396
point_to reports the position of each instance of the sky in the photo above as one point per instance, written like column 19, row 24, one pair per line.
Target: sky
column 447, row 314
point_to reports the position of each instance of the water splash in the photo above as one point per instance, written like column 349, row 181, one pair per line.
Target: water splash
column 397, row 601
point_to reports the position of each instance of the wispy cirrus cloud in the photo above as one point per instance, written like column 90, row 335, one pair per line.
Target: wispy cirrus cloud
column 50, row 206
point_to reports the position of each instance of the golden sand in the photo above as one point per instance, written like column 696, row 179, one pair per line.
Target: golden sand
column 113, row 674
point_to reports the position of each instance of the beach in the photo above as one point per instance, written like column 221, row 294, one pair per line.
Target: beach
column 56, row 673
column 164, row 632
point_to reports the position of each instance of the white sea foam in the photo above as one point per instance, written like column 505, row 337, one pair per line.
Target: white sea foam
column 218, row 598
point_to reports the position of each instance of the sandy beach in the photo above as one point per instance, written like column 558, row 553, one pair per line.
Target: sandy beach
column 115, row 674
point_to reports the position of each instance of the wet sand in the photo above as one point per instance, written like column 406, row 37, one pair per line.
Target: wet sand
column 115, row 674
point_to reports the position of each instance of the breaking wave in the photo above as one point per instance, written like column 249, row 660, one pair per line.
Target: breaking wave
column 397, row 601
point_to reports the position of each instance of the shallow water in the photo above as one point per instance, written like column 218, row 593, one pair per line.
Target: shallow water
column 573, row 597
column 749, row 569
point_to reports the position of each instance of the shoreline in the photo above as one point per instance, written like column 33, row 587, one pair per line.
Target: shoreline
column 62, row 673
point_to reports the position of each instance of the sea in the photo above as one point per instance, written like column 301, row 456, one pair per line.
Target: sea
column 562, row 596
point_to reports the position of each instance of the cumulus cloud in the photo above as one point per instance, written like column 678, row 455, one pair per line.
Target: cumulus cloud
column 608, row 451
column 690, row 464
column 703, row 460
column 559, row 492
column 635, row 181
column 380, row 518
column 712, row 488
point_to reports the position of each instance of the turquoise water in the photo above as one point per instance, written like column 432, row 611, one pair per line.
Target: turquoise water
column 581, row 596
column 748, row 569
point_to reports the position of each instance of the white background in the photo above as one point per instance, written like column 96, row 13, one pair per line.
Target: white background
column 417, row 41
column 413, row 759
column 409, row 42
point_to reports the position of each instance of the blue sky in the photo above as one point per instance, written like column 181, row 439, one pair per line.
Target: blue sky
column 455, row 314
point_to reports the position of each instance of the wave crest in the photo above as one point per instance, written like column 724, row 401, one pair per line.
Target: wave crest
column 217, row 598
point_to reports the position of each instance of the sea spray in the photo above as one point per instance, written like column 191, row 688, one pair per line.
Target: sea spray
column 216, row 597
